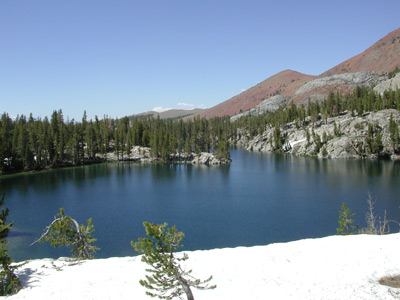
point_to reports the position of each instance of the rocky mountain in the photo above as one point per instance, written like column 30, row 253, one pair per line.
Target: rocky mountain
column 269, row 105
column 390, row 84
column 345, row 136
column 319, row 88
column 368, row 68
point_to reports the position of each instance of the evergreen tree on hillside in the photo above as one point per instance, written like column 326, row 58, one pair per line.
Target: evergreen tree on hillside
column 374, row 138
column 318, row 143
column 393, row 73
column 394, row 133
column 277, row 139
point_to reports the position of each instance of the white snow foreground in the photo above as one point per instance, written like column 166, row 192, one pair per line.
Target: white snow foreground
column 335, row 267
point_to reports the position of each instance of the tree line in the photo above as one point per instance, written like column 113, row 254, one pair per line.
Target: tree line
column 28, row 143
column 35, row 144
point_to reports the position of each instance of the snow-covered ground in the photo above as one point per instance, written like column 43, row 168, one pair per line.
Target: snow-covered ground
column 335, row 267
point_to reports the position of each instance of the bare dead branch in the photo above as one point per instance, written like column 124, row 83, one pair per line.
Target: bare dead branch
column 383, row 224
column 370, row 215
column 47, row 229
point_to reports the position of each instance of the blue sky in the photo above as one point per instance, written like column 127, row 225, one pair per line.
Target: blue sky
column 124, row 57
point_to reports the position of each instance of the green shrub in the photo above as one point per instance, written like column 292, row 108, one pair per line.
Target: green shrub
column 325, row 152
column 346, row 221
column 167, row 280
column 9, row 282
column 65, row 231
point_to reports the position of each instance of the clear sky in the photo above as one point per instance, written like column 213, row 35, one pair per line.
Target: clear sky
column 124, row 57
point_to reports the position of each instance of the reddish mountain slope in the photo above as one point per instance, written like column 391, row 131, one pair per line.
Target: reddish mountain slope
column 382, row 57
column 285, row 83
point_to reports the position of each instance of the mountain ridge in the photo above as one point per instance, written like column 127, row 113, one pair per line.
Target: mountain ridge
column 169, row 114
column 284, row 83
column 382, row 57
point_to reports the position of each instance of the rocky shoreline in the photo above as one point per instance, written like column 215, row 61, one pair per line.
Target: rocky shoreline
column 142, row 154
column 345, row 137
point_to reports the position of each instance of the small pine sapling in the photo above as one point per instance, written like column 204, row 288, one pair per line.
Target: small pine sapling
column 9, row 282
column 167, row 280
column 4, row 229
column 65, row 231
column 346, row 221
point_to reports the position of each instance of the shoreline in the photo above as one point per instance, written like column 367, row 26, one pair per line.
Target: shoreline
column 204, row 158
column 144, row 160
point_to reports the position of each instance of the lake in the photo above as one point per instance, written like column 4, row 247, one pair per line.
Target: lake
column 256, row 200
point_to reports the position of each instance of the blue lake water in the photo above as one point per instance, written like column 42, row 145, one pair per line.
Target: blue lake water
column 257, row 200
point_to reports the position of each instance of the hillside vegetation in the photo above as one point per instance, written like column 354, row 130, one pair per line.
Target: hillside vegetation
column 363, row 124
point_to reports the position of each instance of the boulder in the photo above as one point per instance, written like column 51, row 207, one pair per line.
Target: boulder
column 390, row 84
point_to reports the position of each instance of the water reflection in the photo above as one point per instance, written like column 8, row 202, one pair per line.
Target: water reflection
column 338, row 167
column 162, row 171
column 45, row 181
column 258, row 199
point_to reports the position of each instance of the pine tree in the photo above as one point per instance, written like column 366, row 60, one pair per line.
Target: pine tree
column 6, row 126
column 325, row 152
column 62, row 136
column 277, row 138
column 105, row 134
column 65, row 231
column 337, row 130
column 378, row 142
column 346, row 221
column 369, row 139
column 308, row 136
column 318, row 143
column 223, row 148
column 394, row 133
column 54, row 137
column 324, row 137
column 374, row 138
column 167, row 280
column 9, row 282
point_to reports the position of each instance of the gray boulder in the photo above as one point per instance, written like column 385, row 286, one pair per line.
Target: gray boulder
column 205, row 158
column 390, row 84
